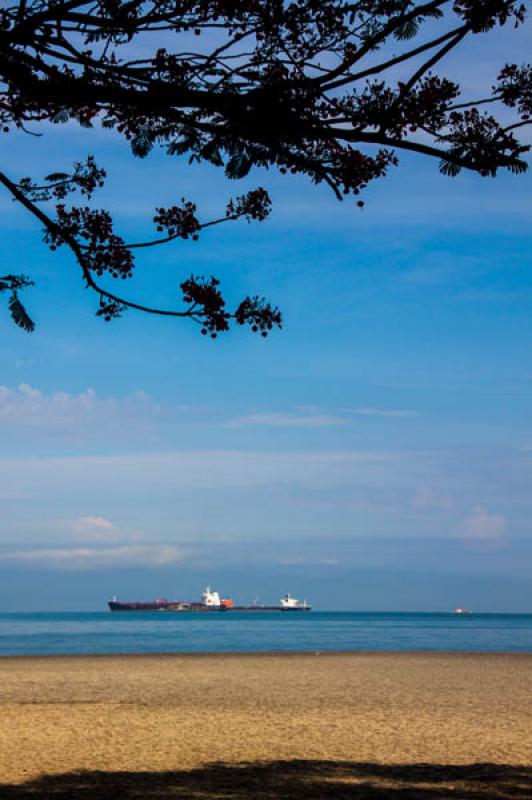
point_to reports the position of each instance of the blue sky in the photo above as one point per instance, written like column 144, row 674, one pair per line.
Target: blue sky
column 375, row 454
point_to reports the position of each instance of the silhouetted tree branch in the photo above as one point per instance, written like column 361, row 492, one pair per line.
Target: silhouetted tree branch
column 305, row 86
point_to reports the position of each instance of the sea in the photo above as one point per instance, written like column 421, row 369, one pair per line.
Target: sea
column 232, row 632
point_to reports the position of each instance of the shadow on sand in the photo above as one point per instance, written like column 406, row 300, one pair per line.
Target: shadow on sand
column 287, row 780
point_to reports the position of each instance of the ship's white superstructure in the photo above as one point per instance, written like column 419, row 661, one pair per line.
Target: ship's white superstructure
column 289, row 603
column 211, row 598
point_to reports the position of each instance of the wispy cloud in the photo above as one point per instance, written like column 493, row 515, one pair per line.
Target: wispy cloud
column 95, row 523
column 381, row 412
column 312, row 417
column 91, row 528
column 322, row 562
column 484, row 528
column 427, row 499
column 286, row 420
column 86, row 558
column 182, row 470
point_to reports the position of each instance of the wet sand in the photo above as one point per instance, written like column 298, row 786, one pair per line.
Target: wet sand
column 154, row 716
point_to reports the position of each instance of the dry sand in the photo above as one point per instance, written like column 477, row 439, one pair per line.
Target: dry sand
column 282, row 726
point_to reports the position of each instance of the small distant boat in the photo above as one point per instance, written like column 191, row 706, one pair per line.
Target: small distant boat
column 460, row 610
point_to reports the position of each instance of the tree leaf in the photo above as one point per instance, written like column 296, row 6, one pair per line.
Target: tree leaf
column 518, row 167
column 407, row 30
column 448, row 168
column 19, row 314
column 141, row 145
column 211, row 153
column 61, row 116
column 238, row 166
column 178, row 148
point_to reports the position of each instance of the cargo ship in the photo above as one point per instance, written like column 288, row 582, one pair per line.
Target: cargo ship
column 210, row 602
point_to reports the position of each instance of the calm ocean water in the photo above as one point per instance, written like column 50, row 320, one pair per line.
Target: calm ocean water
column 104, row 632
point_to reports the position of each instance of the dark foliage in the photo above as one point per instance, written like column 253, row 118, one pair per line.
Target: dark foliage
column 289, row 780
column 12, row 284
column 303, row 86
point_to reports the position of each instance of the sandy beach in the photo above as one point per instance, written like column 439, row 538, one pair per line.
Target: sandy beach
column 316, row 725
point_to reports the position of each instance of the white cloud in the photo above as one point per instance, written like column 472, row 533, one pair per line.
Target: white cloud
column 287, row 420
column 82, row 413
column 85, row 558
column 95, row 529
column 382, row 412
column 95, row 522
column 485, row 528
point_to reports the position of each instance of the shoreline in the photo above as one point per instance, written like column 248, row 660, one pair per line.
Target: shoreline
column 210, row 654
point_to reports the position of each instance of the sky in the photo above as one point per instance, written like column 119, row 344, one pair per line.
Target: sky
column 376, row 454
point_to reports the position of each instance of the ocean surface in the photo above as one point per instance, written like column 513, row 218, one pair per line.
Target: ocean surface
column 105, row 632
